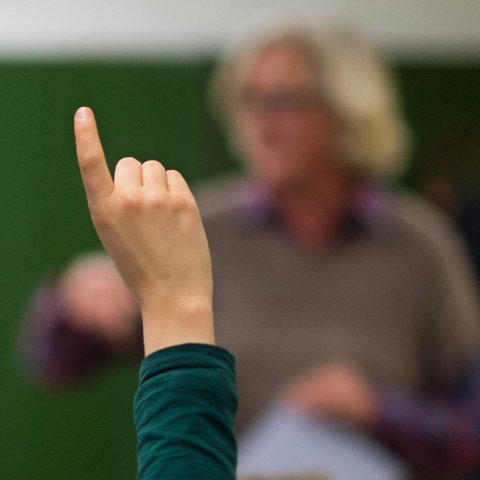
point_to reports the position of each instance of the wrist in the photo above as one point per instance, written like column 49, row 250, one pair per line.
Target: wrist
column 187, row 321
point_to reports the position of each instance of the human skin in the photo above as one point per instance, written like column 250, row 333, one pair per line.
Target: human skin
column 339, row 390
column 148, row 221
column 96, row 301
column 292, row 147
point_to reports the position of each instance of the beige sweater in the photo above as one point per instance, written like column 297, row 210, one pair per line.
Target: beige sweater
column 396, row 297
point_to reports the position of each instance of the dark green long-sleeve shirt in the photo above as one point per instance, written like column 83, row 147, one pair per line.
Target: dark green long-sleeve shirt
column 184, row 412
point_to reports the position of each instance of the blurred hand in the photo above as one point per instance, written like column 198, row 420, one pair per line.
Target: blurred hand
column 97, row 302
column 337, row 390
column 148, row 221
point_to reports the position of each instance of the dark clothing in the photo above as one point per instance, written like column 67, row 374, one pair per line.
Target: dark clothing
column 184, row 414
column 53, row 352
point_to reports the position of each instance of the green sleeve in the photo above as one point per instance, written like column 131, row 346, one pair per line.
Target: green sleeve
column 184, row 413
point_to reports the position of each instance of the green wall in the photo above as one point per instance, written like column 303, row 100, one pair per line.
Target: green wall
column 149, row 111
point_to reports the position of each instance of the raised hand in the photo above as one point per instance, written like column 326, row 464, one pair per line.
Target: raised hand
column 148, row 221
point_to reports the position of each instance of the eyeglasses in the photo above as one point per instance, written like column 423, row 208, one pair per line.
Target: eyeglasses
column 279, row 102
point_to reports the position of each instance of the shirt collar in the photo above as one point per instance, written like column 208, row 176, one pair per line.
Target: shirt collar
column 367, row 207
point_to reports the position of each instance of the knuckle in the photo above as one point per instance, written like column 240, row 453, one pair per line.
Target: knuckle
column 131, row 200
column 89, row 159
column 127, row 161
column 182, row 202
column 153, row 164
column 174, row 173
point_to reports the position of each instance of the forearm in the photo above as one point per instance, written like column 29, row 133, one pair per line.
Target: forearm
column 184, row 414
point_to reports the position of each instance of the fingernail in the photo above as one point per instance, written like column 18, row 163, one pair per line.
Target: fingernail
column 83, row 113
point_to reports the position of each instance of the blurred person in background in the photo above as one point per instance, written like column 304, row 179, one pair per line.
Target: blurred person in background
column 341, row 298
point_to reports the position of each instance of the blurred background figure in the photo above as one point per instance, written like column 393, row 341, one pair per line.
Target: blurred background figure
column 80, row 322
column 343, row 300
column 330, row 304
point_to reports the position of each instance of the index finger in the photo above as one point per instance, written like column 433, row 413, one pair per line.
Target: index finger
column 96, row 176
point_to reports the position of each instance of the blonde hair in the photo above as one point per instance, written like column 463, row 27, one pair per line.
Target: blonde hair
column 352, row 79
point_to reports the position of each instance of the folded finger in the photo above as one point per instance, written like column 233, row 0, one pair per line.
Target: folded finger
column 128, row 173
column 176, row 183
column 154, row 178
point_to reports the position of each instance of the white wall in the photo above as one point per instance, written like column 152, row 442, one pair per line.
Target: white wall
column 146, row 28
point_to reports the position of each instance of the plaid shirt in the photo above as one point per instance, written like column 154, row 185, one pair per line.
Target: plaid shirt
column 441, row 431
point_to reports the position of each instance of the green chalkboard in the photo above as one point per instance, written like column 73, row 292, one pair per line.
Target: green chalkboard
column 149, row 111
